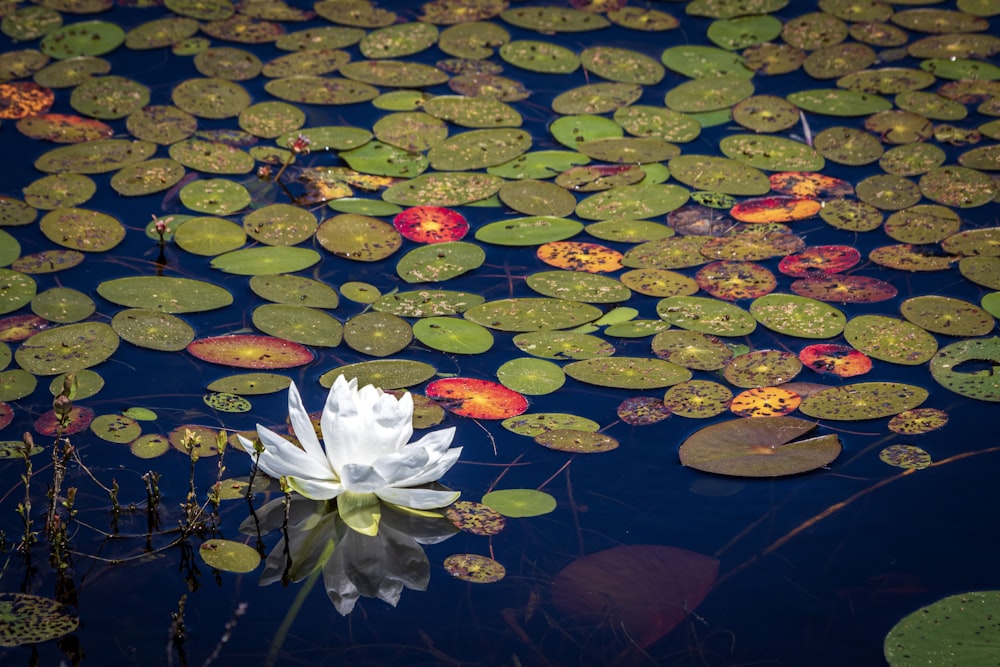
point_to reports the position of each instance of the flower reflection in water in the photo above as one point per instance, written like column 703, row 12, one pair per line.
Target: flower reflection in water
column 353, row 564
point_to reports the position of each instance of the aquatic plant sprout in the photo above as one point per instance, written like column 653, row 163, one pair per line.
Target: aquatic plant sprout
column 366, row 455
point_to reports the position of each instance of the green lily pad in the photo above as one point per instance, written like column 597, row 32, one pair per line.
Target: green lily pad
column 622, row 65
column 947, row 315
column 962, row 187
column 851, row 215
column 161, row 124
column 563, row 345
column 63, row 305
column 382, row 159
column 63, row 128
column 538, row 56
column 439, row 261
column 116, row 428
column 848, row 145
column 30, row 22
column 596, row 98
column 771, row 152
column 447, row 189
column 629, row 231
column 863, row 400
column 294, row 290
column 147, row 177
column 890, row 339
column 377, row 334
column 312, row 89
column 798, row 316
column 109, row 97
column 473, row 39
column 912, row 159
column 532, row 197
column 94, row 157
column 59, row 191
column 478, row 149
column 160, row 33
column 576, row 442
column 358, row 237
column 696, row 62
column 837, row 61
column 548, row 20
column 839, row 102
column 740, row 32
column 31, row 619
column 82, row 229
column 299, row 324
column 708, row 94
column 573, row 130
column 648, row 121
column 266, row 260
column 16, row 384
column 718, row 174
column 577, row 286
column 691, row 349
column 153, row 329
column 706, row 315
column 165, row 294
column 924, row 223
column 229, row 556
column 250, row 384
column 532, row 314
column 215, row 196
column 150, row 446
column 697, row 399
column 762, row 368
column 280, row 225
column 519, row 503
column 271, row 119
column 211, row 157
column 533, row 377
column 534, row 423
column 627, row 372
column 86, row 38
column 673, row 252
column 954, row 629
column 394, row 73
column 412, row 131
column 427, row 303
column 383, row 373
column 968, row 368
column 67, row 348
column 453, row 335
column 771, row 447
column 633, row 202
column 85, row 383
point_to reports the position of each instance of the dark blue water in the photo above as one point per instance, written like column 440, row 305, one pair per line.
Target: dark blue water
column 825, row 595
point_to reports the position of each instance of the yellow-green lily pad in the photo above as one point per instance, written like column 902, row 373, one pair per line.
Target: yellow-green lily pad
column 165, row 294
column 299, row 324
column 67, row 348
column 863, row 400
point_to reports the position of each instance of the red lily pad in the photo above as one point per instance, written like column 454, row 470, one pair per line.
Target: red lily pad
column 77, row 420
column 646, row 589
column 20, row 327
column 809, row 184
column 775, row 209
column 736, row 280
column 431, row 224
column 249, row 351
column 479, row 399
column 845, row 289
column 822, row 260
column 840, row 360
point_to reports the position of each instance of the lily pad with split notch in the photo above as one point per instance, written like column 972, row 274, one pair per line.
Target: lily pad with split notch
column 377, row 334
column 475, row 398
column 444, row 189
column 577, row 286
column 383, row 373
column 772, row 447
column 706, row 315
column 947, row 315
column 67, row 348
column 94, row 157
column 215, row 196
column 299, row 324
column 863, row 400
column 152, row 329
column 719, row 174
column 798, row 316
column 82, row 229
column 532, row 314
column 266, row 260
column 969, row 368
column 250, row 351
column 627, row 372
column 563, row 345
column 532, row 377
column 439, row 261
column 708, row 94
column 165, row 294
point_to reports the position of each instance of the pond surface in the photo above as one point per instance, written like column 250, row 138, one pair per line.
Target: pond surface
column 606, row 230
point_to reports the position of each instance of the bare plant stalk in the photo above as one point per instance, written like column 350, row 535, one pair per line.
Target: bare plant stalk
column 29, row 537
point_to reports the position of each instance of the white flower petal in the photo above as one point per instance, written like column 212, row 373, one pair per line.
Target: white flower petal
column 433, row 471
column 361, row 478
column 418, row 499
column 281, row 458
column 436, row 442
column 402, row 465
column 315, row 489
column 302, row 425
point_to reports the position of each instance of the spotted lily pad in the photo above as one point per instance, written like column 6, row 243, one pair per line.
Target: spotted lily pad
column 165, row 294
column 67, row 348
column 94, row 157
column 299, row 324
column 439, row 261
column 152, row 329
column 250, row 384
column 249, row 351
column 770, row 447
column 377, row 334
column 529, row 231
column 798, row 316
column 864, row 400
column 445, row 189
column 839, row 102
column 706, row 315
column 31, row 619
column 717, row 174
column 479, row 399
column 968, row 368
column 532, row 314
column 563, row 345
column 627, row 372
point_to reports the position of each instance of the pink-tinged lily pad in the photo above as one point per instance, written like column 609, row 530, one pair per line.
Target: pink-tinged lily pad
column 822, row 260
column 6, row 415
column 845, row 289
column 77, row 420
column 479, row 399
column 249, row 351
column 20, row 327
column 645, row 590
column 431, row 224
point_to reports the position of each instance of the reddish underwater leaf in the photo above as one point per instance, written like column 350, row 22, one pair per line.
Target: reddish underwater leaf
column 579, row 256
column 19, row 327
column 642, row 410
column 249, row 351
column 479, row 399
column 64, row 128
column 841, row 360
column 24, row 98
column 821, row 260
column 79, row 418
column 6, row 415
column 810, row 185
column 845, row 289
column 775, row 209
column 431, row 224
column 645, row 589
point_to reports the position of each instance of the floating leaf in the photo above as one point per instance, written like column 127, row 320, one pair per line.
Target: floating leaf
column 439, row 261
column 864, row 400
column 563, row 345
column 299, row 324
column 166, row 294
column 706, row 315
column 946, row 315
column 116, row 428
column 31, row 619
column 250, row 384
column 153, row 329
column 968, row 368
column 453, row 335
column 229, row 556
column 475, row 518
column 478, row 399
column 266, row 260
column 533, row 230
column 642, row 411
column 576, row 442
column 845, row 289
column 765, row 402
column 67, row 348
column 249, row 351
column 377, row 334
column 474, row 568
column 762, row 368
column 957, row 628
column 520, row 503
column 75, row 421
column 531, row 424
column 759, row 448
column 839, row 360
column 533, row 377
column 431, row 224
column 798, row 316
column 890, row 339
column 627, row 372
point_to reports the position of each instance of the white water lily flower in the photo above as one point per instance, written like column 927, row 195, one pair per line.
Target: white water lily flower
column 367, row 455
